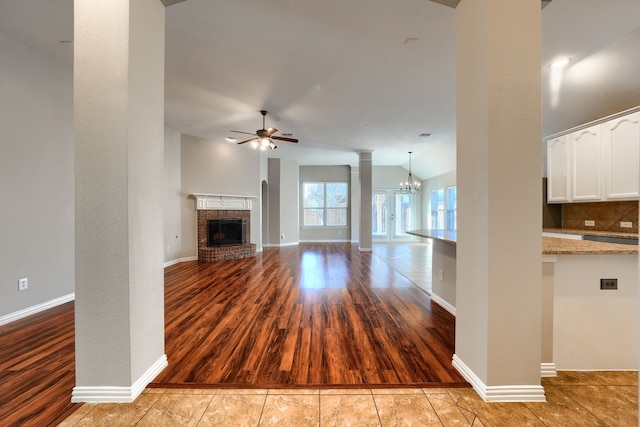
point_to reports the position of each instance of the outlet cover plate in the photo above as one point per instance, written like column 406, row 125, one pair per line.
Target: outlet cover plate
column 626, row 224
column 589, row 223
column 23, row 284
column 609, row 284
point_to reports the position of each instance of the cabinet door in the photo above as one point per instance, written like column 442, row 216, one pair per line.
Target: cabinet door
column 586, row 161
column 558, row 170
column 621, row 157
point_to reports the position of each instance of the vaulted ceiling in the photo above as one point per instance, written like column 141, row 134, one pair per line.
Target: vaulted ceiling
column 343, row 75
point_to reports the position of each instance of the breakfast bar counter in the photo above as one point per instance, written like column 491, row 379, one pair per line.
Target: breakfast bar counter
column 552, row 245
column 586, row 325
column 447, row 236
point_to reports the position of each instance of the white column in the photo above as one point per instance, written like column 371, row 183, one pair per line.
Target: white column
column 366, row 185
column 498, row 294
column 119, row 155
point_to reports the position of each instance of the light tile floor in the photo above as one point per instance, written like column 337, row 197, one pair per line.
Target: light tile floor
column 573, row 399
column 411, row 259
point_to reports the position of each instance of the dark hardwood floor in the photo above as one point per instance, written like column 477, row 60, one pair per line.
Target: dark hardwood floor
column 37, row 368
column 315, row 315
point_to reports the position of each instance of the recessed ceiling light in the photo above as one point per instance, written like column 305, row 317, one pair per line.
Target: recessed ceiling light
column 411, row 41
column 231, row 139
column 560, row 63
column 424, row 135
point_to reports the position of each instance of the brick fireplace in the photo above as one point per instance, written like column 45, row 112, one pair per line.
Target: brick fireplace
column 211, row 207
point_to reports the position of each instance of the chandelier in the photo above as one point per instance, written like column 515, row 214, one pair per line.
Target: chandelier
column 411, row 186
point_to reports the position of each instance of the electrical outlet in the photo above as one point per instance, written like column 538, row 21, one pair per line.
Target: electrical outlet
column 589, row 223
column 608, row 283
column 441, row 274
column 626, row 224
column 282, row 236
column 23, row 284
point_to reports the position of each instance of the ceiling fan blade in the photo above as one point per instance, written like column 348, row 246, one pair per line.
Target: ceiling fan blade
column 239, row 131
column 247, row 140
column 270, row 131
column 282, row 138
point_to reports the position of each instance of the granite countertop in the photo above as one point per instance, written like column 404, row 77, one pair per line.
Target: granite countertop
column 624, row 235
column 447, row 236
column 559, row 246
column 551, row 245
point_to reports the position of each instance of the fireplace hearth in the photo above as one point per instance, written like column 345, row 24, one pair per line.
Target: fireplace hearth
column 223, row 232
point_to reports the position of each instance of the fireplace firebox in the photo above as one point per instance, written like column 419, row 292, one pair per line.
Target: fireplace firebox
column 226, row 232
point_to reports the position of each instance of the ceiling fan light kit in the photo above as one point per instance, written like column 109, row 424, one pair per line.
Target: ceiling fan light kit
column 263, row 138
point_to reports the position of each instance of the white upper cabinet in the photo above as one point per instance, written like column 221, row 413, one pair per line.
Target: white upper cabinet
column 558, row 169
column 586, row 146
column 621, row 157
column 598, row 162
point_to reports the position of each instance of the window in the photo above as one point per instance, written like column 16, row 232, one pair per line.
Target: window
column 325, row 204
column 437, row 209
column 452, row 208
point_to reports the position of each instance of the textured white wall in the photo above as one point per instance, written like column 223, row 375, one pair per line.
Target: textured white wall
column 146, row 183
column 172, row 187
column 389, row 177
column 498, row 178
column 36, row 178
column 595, row 329
column 119, row 157
column 444, row 259
column 289, row 202
column 273, row 216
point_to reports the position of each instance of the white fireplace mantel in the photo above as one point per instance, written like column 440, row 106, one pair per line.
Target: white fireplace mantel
column 222, row 202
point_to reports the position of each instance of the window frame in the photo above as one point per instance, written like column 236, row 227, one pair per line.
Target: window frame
column 451, row 211
column 324, row 207
column 437, row 213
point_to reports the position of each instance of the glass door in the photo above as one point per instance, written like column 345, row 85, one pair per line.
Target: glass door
column 404, row 215
column 392, row 215
column 379, row 217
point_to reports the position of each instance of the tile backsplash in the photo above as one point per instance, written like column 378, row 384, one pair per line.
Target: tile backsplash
column 607, row 215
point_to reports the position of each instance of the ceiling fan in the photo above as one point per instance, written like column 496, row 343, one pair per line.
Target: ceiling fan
column 263, row 138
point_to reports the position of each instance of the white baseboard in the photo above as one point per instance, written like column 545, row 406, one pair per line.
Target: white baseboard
column 325, row 241
column 281, row 245
column 179, row 260
column 8, row 318
column 444, row 304
column 110, row 394
column 509, row 393
column 548, row 370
